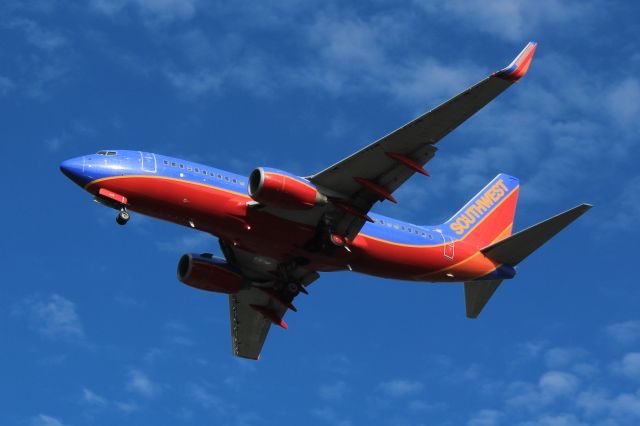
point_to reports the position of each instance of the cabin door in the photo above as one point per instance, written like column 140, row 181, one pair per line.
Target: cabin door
column 148, row 162
column 449, row 245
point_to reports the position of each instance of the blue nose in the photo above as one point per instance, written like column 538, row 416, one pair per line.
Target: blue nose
column 74, row 170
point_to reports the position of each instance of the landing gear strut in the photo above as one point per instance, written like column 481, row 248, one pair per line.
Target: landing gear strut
column 123, row 217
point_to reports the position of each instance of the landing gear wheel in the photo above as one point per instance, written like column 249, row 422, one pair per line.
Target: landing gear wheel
column 123, row 217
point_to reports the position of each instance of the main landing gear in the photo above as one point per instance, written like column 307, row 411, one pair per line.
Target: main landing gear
column 123, row 217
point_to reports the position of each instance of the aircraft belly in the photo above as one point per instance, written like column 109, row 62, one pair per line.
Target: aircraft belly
column 227, row 216
column 420, row 263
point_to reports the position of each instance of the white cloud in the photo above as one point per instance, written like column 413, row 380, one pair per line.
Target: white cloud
column 330, row 416
column 194, row 84
column 125, row 407
column 38, row 36
column 141, row 384
column 510, row 19
column 628, row 331
column 207, row 399
column 167, row 10
column 54, row 317
column 485, row 418
column 598, row 403
column 561, row 357
column 555, row 420
column 44, row 420
column 626, row 210
column 551, row 386
column 623, row 101
column 5, row 85
column 558, row 383
column 44, row 62
column 593, row 402
column 627, row 405
column 333, row 391
column 154, row 11
column 628, row 366
column 419, row 405
column 399, row 388
column 92, row 398
column 350, row 54
column 337, row 363
column 192, row 240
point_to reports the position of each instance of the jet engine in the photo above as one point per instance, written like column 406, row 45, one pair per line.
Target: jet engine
column 209, row 273
column 277, row 188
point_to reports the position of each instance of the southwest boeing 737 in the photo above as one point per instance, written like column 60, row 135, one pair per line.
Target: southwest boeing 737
column 278, row 231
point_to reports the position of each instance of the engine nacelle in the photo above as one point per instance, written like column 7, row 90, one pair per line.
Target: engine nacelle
column 209, row 273
column 277, row 188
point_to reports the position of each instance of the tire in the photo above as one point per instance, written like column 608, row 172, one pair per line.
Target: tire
column 122, row 218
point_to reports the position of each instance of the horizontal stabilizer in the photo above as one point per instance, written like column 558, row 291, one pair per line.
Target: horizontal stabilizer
column 514, row 249
column 477, row 294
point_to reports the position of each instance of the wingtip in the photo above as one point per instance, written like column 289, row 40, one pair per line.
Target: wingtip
column 585, row 207
column 520, row 65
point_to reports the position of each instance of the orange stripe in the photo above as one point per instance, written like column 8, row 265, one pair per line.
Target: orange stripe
column 473, row 256
column 166, row 178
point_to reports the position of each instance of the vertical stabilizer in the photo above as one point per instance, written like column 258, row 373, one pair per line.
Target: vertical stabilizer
column 488, row 217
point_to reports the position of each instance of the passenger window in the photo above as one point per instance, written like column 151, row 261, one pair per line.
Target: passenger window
column 430, row 237
column 173, row 163
column 389, row 224
column 212, row 174
column 197, row 170
column 234, row 180
column 241, row 183
column 166, row 163
column 409, row 229
column 395, row 226
column 219, row 176
column 424, row 234
column 402, row 227
column 181, row 166
column 204, row 172
column 226, row 178
column 189, row 168
column 416, row 231
column 381, row 222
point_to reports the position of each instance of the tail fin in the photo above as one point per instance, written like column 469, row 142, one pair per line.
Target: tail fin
column 488, row 217
column 514, row 249
column 477, row 294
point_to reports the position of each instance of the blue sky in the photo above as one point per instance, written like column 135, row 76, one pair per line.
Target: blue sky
column 98, row 331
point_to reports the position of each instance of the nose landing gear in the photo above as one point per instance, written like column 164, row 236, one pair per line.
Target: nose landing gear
column 123, row 217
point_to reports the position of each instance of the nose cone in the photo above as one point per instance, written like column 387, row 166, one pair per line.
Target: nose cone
column 74, row 170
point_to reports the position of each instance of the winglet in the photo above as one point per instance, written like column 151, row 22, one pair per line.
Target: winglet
column 520, row 65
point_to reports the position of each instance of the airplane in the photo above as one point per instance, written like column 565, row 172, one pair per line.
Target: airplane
column 278, row 231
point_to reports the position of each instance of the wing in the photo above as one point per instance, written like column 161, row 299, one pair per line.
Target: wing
column 376, row 171
column 272, row 286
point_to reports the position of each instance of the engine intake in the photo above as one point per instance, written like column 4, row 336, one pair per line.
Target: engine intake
column 206, row 272
column 277, row 188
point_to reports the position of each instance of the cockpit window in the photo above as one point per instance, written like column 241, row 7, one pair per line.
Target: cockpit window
column 101, row 152
column 111, row 153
